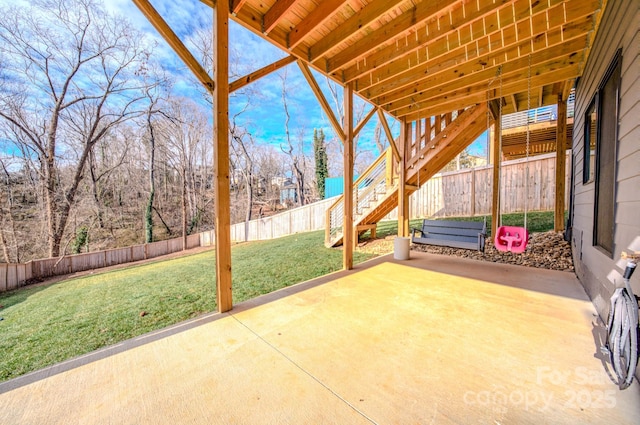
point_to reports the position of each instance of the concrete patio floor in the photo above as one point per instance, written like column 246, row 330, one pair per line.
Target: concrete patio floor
column 430, row 340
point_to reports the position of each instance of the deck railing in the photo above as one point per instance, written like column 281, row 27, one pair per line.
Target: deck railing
column 380, row 179
column 546, row 113
column 367, row 191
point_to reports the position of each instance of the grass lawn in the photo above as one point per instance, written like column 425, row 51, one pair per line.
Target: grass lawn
column 47, row 324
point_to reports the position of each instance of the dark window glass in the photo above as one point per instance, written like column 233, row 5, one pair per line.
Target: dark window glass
column 606, row 158
column 590, row 139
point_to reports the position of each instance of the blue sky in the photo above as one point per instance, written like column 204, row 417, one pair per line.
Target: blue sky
column 265, row 115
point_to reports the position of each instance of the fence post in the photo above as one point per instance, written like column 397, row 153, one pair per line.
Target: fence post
column 473, row 192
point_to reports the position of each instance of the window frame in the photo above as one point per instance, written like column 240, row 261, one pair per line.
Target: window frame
column 589, row 174
column 615, row 64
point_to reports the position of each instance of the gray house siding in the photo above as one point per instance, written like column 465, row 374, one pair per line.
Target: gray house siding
column 596, row 269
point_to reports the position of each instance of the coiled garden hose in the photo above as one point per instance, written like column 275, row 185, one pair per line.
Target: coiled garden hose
column 623, row 329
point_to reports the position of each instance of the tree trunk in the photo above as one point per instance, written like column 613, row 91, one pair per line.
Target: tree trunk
column 184, row 209
column 247, row 218
column 94, row 188
column 148, row 215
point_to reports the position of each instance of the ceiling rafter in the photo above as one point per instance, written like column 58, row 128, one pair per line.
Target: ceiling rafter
column 360, row 20
column 275, row 13
column 395, row 28
column 413, row 58
column 555, row 65
column 449, row 82
column 432, row 107
column 236, row 5
column 462, row 23
column 325, row 10
column 443, row 86
column 479, row 51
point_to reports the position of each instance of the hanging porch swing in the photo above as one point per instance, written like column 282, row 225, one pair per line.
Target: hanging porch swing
column 512, row 238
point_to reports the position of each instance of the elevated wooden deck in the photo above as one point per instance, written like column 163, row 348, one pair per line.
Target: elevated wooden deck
column 542, row 139
column 430, row 340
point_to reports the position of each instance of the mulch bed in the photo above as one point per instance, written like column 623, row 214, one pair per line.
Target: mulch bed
column 546, row 250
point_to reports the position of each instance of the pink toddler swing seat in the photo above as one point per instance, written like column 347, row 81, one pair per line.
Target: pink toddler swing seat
column 511, row 238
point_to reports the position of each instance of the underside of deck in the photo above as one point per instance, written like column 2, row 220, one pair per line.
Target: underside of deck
column 430, row 340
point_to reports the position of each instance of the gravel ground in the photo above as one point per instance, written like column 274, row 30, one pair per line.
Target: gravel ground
column 546, row 250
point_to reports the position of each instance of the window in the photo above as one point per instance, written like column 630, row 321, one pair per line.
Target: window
column 605, row 160
column 590, row 138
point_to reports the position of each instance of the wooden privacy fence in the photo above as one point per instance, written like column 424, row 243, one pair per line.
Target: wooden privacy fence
column 13, row 276
column 458, row 193
column 468, row 192
column 302, row 219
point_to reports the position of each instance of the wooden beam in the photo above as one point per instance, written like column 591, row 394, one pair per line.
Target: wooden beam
column 322, row 99
column 176, row 44
column 358, row 22
column 561, row 146
column 387, row 131
column 275, row 13
column 459, row 25
column 403, row 198
column 466, row 78
column 540, row 98
column 262, row 72
column 224, row 297
column 566, row 91
column 495, row 188
column 515, row 102
column 512, row 83
column 434, row 106
column 247, row 17
column 402, row 25
column 236, row 5
column 476, row 54
column 325, row 10
column 347, row 223
column 364, row 121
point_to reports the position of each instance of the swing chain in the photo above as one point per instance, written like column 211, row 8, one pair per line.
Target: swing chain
column 526, row 183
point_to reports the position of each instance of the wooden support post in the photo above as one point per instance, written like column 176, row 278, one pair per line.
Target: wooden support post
column 495, row 159
column 221, row 155
column 561, row 152
column 347, row 224
column 403, row 199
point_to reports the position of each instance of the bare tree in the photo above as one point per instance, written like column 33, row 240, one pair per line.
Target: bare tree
column 187, row 138
column 8, row 237
column 73, row 79
column 295, row 153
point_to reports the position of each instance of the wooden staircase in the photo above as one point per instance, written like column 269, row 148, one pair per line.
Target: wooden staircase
column 375, row 192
